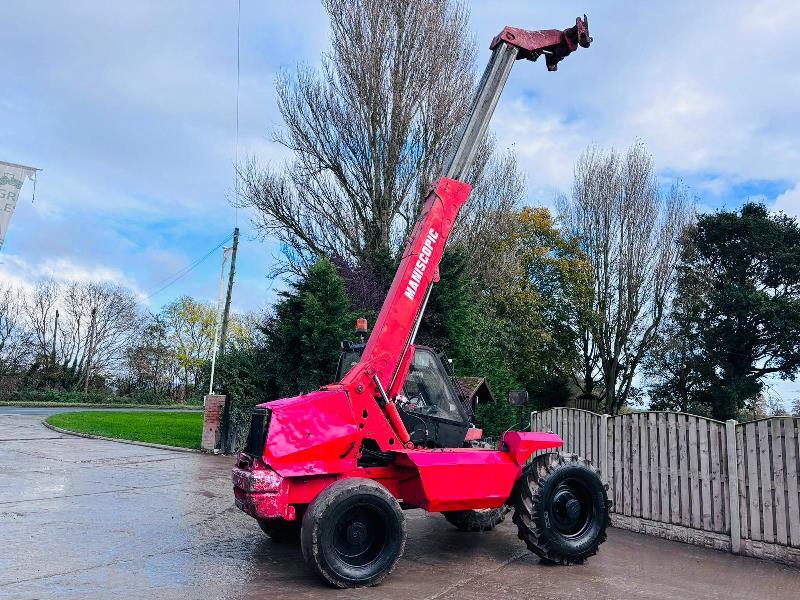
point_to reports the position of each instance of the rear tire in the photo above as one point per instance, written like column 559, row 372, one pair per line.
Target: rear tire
column 561, row 508
column 280, row 531
column 477, row 520
column 353, row 533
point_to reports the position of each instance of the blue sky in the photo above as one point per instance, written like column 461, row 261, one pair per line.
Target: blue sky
column 129, row 109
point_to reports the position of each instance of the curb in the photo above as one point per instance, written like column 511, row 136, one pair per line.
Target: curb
column 121, row 441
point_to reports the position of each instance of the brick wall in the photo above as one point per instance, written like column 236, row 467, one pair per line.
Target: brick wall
column 213, row 406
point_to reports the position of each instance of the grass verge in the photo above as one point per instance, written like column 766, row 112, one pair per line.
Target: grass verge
column 183, row 429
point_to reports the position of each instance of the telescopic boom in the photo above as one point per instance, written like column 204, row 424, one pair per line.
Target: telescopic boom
column 385, row 360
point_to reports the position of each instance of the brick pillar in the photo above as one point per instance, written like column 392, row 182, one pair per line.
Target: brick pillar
column 212, row 420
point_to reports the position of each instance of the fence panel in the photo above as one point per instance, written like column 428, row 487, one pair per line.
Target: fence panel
column 580, row 430
column 676, row 469
column 791, row 440
column 768, row 463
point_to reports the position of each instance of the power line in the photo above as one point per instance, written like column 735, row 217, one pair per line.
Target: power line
column 178, row 275
column 236, row 145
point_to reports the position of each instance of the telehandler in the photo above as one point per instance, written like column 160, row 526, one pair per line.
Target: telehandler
column 338, row 466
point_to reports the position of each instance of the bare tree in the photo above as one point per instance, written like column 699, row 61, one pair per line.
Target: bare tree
column 775, row 407
column 490, row 216
column 629, row 231
column 40, row 307
column 15, row 338
column 99, row 322
column 369, row 132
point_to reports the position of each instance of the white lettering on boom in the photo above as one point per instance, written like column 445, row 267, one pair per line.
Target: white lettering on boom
column 422, row 264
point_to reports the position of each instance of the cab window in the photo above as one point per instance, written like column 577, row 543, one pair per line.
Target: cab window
column 426, row 388
column 347, row 361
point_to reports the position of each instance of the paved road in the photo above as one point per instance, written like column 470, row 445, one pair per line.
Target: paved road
column 95, row 519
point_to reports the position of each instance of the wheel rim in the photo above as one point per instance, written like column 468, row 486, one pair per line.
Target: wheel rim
column 571, row 507
column 360, row 535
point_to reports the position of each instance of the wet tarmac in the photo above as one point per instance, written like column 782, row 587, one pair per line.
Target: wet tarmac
column 84, row 518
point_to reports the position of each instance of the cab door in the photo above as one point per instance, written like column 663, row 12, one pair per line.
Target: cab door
column 429, row 405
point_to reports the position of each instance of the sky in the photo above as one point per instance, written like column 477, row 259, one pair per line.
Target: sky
column 129, row 109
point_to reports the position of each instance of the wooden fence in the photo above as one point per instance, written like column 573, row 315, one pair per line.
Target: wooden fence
column 728, row 486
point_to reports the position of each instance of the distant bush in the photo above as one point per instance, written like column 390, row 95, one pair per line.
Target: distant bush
column 61, row 397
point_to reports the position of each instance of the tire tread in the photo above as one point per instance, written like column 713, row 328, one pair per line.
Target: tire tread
column 528, row 503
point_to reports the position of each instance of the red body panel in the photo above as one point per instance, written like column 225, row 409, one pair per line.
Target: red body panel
column 522, row 444
column 435, row 480
column 310, row 435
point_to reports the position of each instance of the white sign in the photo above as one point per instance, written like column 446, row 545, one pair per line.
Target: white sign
column 12, row 177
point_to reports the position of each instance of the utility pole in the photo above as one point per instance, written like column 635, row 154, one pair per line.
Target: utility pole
column 226, row 410
column 227, row 310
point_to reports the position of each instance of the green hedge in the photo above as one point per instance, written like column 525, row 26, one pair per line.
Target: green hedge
column 59, row 397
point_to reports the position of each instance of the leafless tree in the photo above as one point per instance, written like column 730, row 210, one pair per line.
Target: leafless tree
column 40, row 308
column 369, row 132
column 629, row 230
column 15, row 339
column 99, row 321
column 775, row 407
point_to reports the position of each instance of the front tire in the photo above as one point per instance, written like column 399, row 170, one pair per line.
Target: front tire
column 477, row 520
column 353, row 533
column 561, row 508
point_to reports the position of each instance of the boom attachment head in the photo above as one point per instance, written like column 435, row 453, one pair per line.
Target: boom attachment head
column 553, row 43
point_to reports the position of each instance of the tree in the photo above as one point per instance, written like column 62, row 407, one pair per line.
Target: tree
column 190, row 326
column 96, row 322
column 629, row 232
column 304, row 335
column 670, row 368
column 99, row 321
column 15, row 339
column 40, row 307
column 796, row 407
column 369, row 133
column 775, row 407
column 740, row 275
column 151, row 361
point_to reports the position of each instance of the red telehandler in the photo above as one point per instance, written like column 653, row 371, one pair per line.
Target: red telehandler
column 337, row 466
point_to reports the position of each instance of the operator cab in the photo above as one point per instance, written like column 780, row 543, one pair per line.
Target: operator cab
column 429, row 406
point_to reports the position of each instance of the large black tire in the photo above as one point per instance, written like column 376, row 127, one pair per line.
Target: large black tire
column 353, row 533
column 561, row 508
column 283, row 532
column 477, row 520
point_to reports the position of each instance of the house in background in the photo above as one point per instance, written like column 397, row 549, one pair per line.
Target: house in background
column 473, row 391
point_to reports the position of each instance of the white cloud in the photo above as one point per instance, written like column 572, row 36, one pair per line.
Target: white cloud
column 789, row 202
column 15, row 271
column 130, row 111
column 710, row 87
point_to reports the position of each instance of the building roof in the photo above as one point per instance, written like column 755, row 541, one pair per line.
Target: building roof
column 469, row 387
